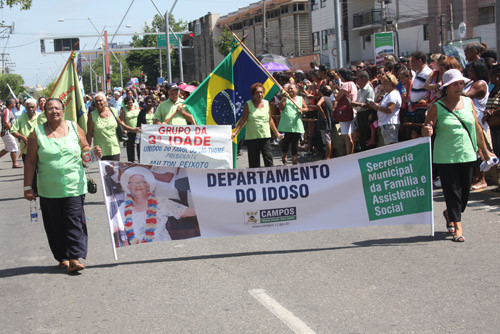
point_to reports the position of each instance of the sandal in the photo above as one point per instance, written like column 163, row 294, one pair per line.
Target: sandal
column 75, row 265
column 63, row 264
column 459, row 239
column 450, row 228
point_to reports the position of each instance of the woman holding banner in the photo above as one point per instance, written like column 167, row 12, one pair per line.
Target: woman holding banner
column 56, row 147
column 291, row 122
column 128, row 115
column 257, row 116
column 101, row 126
column 458, row 134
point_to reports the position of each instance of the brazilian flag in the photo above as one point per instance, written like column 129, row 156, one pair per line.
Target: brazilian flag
column 220, row 98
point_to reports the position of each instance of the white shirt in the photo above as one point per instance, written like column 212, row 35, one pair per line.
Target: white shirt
column 392, row 118
column 418, row 92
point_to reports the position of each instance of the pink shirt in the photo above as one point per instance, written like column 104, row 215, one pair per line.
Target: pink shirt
column 351, row 89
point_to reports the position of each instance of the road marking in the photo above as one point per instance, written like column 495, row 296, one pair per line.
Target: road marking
column 294, row 323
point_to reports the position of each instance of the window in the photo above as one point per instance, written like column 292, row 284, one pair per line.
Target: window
column 314, row 5
column 316, row 41
column 323, row 3
column 426, row 32
column 284, row 9
column 324, row 40
column 258, row 19
column 299, row 7
column 486, row 14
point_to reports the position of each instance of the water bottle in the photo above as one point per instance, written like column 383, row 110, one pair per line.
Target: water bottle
column 33, row 212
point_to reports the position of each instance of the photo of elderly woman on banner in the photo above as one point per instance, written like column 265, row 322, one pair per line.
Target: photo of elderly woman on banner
column 147, row 204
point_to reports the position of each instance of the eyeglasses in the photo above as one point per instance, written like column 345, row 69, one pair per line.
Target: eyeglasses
column 138, row 183
column 360, row 67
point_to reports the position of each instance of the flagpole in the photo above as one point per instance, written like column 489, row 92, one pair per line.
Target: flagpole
column 262, row 66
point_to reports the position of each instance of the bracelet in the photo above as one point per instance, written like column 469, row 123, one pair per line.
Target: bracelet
column 26, row 188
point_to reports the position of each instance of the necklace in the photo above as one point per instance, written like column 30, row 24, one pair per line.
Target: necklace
column 54, row 132
column 150, row 219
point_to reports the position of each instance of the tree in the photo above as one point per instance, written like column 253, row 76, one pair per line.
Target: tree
column 148, row 61
column 25, row 4
column 15, row 82
column 224, row 44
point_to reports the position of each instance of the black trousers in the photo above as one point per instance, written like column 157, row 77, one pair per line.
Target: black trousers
column 65, row 226
column 291, row 138
column 255, row 148
column 456, row 180
column 130, row 146
column 115, row 157
column 495, row 139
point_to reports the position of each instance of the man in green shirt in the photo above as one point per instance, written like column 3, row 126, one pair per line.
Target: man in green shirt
column 171, row 111
column 25, row 125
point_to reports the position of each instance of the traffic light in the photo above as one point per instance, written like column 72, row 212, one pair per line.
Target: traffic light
column 191, row 39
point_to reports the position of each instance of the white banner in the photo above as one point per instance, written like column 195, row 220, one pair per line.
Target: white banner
column 386, row 186
column 189, row 146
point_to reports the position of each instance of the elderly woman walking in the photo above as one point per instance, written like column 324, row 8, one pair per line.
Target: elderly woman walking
column 458, row 134
column 56, row 147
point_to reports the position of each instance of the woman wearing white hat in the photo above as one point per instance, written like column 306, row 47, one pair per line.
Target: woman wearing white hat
column 145, row 215
column 458, row 134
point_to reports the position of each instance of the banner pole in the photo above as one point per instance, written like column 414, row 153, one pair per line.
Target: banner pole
column 262, row 66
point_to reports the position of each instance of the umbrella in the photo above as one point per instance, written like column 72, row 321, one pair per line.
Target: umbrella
column 187, row 88
column 275, row 67
column 273, row 58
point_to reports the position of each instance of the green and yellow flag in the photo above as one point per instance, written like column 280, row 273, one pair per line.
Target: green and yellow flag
column 68, row 90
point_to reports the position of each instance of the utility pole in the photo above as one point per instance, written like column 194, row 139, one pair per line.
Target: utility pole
column 452, row 25
column 443, row 37
column 497, row 22
column 338, row 34
column 264, row 27
column 384, row 19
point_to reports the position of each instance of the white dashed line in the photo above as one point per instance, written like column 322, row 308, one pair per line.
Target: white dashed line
column 294, row 323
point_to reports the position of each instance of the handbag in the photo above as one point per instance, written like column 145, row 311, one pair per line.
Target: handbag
column 120, row 131
column 91, row 184
column 343, row 111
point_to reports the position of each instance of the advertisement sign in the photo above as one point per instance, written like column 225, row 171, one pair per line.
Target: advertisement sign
column 188, row 146
column 384, row 45
column 391, row 185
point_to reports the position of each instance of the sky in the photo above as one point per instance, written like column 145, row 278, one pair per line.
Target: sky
column 42, row 20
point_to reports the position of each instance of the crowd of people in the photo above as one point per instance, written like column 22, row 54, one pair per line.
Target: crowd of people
column 325, row 112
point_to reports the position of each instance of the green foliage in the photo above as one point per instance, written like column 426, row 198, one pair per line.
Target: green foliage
column 148, row 61
column 15, row 81
column 25, row 4
column 48, row 89
column 224, row 43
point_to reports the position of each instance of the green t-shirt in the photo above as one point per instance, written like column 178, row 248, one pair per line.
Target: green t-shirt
column 24, row 126
column 452, row 143
column 149, row 118
column 105, row 133
column 258, row 121
column 291, row 117
column 166, row 109
column 60, row 169
column 131, row 116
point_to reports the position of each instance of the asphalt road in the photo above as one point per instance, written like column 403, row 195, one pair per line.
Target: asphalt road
column 394, row 279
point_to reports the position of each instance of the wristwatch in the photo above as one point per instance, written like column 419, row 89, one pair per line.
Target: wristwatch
column 26, row 188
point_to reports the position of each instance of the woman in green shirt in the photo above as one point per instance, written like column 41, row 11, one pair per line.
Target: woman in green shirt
column 257, row 116
column 458, row 134
column 101, row 126
column 56, row 147
column 290, row 123
column 128, row 115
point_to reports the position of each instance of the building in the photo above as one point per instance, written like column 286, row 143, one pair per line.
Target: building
column 287, row 33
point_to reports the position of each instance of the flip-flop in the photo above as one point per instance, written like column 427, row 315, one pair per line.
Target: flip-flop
column 459, row 239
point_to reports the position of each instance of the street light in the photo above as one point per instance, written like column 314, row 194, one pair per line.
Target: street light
column 101, row 37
